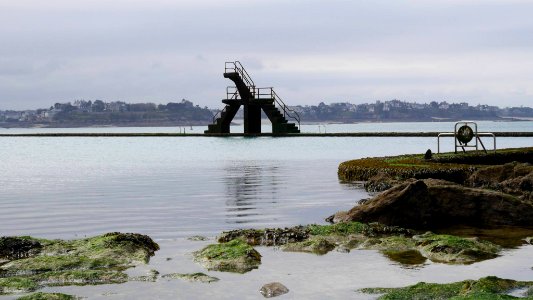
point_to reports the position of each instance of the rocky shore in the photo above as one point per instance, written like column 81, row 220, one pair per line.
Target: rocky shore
column 474, row 189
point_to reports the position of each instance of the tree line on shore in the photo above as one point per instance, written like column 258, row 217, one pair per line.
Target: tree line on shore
column 98, row 112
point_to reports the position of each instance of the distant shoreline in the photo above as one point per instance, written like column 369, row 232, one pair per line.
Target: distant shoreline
column 7, row 125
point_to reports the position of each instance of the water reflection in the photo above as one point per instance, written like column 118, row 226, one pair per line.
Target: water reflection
column 251, row 188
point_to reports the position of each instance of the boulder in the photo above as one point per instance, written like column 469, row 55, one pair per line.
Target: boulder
column 512, row 178
column 273, row 289
column 430, row 203
column 28, row 263
column 18, row 247
column 234, row 256
column 485, row 288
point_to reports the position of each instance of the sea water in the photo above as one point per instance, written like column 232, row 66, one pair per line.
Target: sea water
column 172, row 188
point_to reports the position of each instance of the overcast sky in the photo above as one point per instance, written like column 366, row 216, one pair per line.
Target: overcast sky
column 477, row 51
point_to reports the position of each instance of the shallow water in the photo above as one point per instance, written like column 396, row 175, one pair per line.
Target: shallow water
column 172, row 188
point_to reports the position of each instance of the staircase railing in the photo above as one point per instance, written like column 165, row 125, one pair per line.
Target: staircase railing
column 287, row 111
column 219, row 113
column 236, row 67
column 232, row 93
column 257, row 93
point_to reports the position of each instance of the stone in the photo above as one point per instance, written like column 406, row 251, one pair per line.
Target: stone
column 18, row 247
column 233, row 256
column 268, row 236
column 428, row 155
column 35, row 263
column 192, row 277
column 48, row 296
column 490, row 287
column 431, row 203
column 273, row 289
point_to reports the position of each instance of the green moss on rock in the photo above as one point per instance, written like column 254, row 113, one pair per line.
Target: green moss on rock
column 317, row 245
column 454, row 249
column 97, row 260
column 12, row 285
column 234, row 256
column 48, row 296
column 80, row 277
column 447, row 166
column 485, row 288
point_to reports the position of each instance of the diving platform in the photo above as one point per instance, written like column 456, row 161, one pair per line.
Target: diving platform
column 254, row 101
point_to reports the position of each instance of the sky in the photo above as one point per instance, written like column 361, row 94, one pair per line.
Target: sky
column 475, row 51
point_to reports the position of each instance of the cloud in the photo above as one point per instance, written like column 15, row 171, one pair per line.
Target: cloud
column 479, row 51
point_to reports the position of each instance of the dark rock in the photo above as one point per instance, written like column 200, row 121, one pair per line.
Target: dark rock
column 268, row 236
column 512, row 178
column 273, row 289
column 18, row 247
column 431, row 203
column 380, row 182
column 428, row 155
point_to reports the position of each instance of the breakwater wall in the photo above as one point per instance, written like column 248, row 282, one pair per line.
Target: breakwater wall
column 339, row 134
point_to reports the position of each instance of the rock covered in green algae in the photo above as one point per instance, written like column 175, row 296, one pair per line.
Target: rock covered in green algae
column 316, row 245
column 392, row 241
column 193, row 277
column 485, row 288
column 268, row 236
column 453, row 249
column 96, row 260
column 13, row 285
column 48, row 296
column 234, row 256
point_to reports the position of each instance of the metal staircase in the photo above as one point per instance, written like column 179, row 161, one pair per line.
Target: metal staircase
column 254, row 100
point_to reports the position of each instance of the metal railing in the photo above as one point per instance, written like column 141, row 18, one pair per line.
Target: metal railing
column 219, row 113
column 236, row 67
column 287, row 111
column 232, row 92
column 478, row 139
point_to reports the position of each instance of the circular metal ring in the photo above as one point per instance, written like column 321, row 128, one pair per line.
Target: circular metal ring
column 465, row 134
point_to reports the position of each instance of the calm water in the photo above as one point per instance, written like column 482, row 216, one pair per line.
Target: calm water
column 172, row 188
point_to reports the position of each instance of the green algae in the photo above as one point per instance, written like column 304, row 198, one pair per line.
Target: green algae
column 339, row 229
column 12, row 285
column 447, row 166
column 40, row 264
column 96, row 260
column 398, row 244
column 485, row 288
column 234, row 256
column 454, row 249
column 317, row 245
column 80, row 277
column 47, row 296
